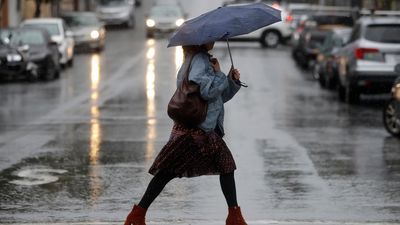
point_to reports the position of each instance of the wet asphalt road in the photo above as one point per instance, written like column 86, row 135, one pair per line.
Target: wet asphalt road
column 84, row 142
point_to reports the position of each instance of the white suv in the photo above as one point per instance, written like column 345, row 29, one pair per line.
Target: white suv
column 270, row 36
column 59, row 33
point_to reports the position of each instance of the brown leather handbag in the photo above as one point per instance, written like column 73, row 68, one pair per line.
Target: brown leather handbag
column 186, row 105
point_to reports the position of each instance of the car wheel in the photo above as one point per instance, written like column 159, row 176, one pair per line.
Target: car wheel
column 150, row 35
column 352, row 95
column 341, row 92
column 50, row 72
column 32, row 76
column 270, row 39
column 330, row 82
column 99, row 48
column 70, row 62
column 390, row 118
column 131, row 23
column 322, row 81
column 316, row 72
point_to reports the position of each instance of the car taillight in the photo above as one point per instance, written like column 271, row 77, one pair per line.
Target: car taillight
column 372, row 54
column 289, row 18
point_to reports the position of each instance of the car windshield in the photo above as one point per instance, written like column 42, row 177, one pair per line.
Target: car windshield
column 161, row 11
column 30, row 37
column 112, row 2
column 52, row 28
column 334, row 40
column 385, row 33
column 81, row 20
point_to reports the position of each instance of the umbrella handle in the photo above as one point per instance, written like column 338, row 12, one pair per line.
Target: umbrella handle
column 230, row 54
column 233, row 67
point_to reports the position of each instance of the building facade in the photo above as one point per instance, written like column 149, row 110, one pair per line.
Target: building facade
column 12, row 12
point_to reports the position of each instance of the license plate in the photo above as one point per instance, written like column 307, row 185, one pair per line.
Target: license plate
column 395, row 58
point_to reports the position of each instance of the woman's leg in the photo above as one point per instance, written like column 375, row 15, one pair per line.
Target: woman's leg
column 228, row 187
column 155, row 187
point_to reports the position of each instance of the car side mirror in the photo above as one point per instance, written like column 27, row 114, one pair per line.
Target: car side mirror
column 23, row 48
column 69, row 33
column 397, row 68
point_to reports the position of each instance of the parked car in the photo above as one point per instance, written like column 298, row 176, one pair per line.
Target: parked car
column 14, row 63
column 117, row 12
column 326, row 67
column 88, row 31
column 391, row 111
column 164, row 18
column 270, row 36
column 367, row 61
column 303, row 12
column 41, row 51
column 59, row 33
column 317, row 27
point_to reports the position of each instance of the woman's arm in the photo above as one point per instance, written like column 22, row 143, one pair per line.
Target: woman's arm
column 231, row 90
column 212, row 84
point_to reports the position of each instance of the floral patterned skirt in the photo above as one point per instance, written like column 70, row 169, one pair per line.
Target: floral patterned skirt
column 191, row 152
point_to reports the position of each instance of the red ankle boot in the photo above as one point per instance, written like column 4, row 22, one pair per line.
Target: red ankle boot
column 235, row 217
column 136, row 216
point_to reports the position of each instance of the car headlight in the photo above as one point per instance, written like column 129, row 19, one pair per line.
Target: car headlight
column 94, row 34
column 150, row 23
column 179, row 22
column 14, row 58
column 396, row 92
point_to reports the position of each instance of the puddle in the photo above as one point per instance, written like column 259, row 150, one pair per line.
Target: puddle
column 37, row 176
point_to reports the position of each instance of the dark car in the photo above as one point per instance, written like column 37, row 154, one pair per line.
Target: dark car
column 326, row 67
column 317, row 27
column 41, row 50
column 391, row 112
column 88, row 30
column 14, row 62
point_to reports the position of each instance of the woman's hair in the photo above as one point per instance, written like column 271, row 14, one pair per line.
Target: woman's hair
column 193, row 50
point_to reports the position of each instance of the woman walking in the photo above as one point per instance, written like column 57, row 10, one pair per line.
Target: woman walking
column 192, row 152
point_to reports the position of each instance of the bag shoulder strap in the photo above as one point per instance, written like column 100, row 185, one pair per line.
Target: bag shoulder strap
column 185, row 79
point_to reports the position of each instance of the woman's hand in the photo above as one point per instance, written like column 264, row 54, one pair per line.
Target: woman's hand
column 215, row 64
column 234, row 74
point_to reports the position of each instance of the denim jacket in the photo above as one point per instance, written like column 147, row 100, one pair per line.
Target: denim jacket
column 215, row 87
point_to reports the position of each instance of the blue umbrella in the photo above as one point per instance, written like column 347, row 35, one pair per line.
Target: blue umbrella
column 224, row 23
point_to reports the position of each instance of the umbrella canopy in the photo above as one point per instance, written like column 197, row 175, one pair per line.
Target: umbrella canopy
column 224, row 23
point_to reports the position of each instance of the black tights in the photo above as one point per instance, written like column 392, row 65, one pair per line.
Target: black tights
column 159, row 181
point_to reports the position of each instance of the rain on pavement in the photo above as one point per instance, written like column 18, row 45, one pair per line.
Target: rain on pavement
column 77, row 150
